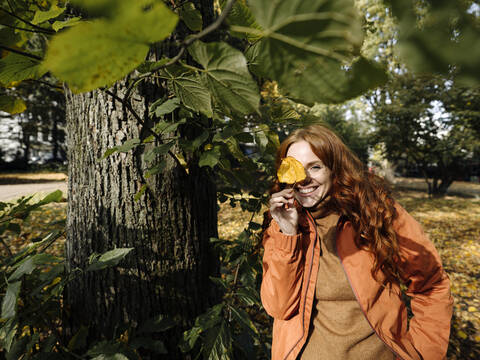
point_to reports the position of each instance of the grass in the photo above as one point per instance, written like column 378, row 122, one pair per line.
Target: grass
column 452, row 223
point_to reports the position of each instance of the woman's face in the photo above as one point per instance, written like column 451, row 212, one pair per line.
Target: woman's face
column 316, row 186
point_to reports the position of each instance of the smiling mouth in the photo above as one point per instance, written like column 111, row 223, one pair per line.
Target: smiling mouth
column 306, row 191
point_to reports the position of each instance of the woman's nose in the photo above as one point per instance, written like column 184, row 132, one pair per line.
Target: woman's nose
column 304, row 181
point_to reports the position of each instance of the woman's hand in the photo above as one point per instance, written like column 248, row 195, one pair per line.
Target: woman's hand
column 284, row 212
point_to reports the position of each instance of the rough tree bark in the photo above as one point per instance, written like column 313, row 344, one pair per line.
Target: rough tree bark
column 169, row 227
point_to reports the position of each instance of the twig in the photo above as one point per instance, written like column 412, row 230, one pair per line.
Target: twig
column 57, row 87
column 25, row 21
column 10, row 5
column 25, row 29
column 20, row 52
column 213, row 26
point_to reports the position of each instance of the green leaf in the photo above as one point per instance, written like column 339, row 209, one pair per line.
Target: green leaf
column 333, row 84
column 29, row 264
column 9, row 303
column 210, row 157
column 248, row 296
column 161, row 108
column 200, row 139
column 15, row 67
column 18, row 348
column 148, row 66
column 189, row 339
column 9, row 36
column 128, row 145
column 158, row 150
column 55, row 196
column 59, row 25
column 191, row 16
column 220, row 282
column 243, row 319
column 100, row 52
column 159, row 323
column 241, row 15
column 167, row 127
column 227, row 78
column 105, row 348
column 140, row 192
column 7, row 333
column 108, row 8
column 218, row 343
column 156, row 169
column 448, row 36
column 109, row 259
column 79, row 340
column 210, row 318
column 117, row 356
column 254, row 226
column 109, row 152
column 26, row 267
column 42, row 16
column 89, row 56
column 12, row 104
column 306, row 46
column 157, row 346
column 189, row 88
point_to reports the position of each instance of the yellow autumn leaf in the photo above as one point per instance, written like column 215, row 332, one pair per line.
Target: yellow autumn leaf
column 472, row 309
column 291, row 171
column 462, row 334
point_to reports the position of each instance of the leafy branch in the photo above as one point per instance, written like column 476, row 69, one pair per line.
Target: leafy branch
column 128, row 105
column 186, row 43
column 39, row 28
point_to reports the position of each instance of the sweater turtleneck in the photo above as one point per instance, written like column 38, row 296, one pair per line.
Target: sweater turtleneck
column 338, row 328
column 322, row 209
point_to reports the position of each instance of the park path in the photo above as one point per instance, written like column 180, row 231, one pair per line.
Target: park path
column 14, row 191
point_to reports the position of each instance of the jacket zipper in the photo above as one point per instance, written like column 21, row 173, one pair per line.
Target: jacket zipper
column 308, row 282
column 360, row 305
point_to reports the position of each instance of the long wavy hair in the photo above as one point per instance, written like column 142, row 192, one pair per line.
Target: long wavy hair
column 357, row 195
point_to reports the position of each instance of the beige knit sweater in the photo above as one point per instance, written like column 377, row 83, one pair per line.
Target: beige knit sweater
column 338, row 328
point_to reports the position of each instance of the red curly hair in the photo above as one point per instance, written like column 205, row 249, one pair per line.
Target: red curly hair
column 357, row 195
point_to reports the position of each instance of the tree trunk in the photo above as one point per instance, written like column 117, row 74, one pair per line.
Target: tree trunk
column 169, row 227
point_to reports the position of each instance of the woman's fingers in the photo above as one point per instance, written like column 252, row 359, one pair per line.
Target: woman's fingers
column 280, row 201
column 283, row 197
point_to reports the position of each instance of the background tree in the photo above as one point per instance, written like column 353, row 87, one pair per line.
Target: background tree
column 411, row 120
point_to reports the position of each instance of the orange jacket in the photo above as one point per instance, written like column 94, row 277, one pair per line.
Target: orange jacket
column 290, row 267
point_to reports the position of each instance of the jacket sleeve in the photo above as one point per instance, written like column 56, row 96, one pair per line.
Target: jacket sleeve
column 282, row 272
column 427, row 285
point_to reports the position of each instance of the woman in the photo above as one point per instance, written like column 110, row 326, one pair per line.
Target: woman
column 338, row 249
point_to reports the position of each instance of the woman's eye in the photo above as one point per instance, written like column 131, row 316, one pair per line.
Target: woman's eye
column 316, row 167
